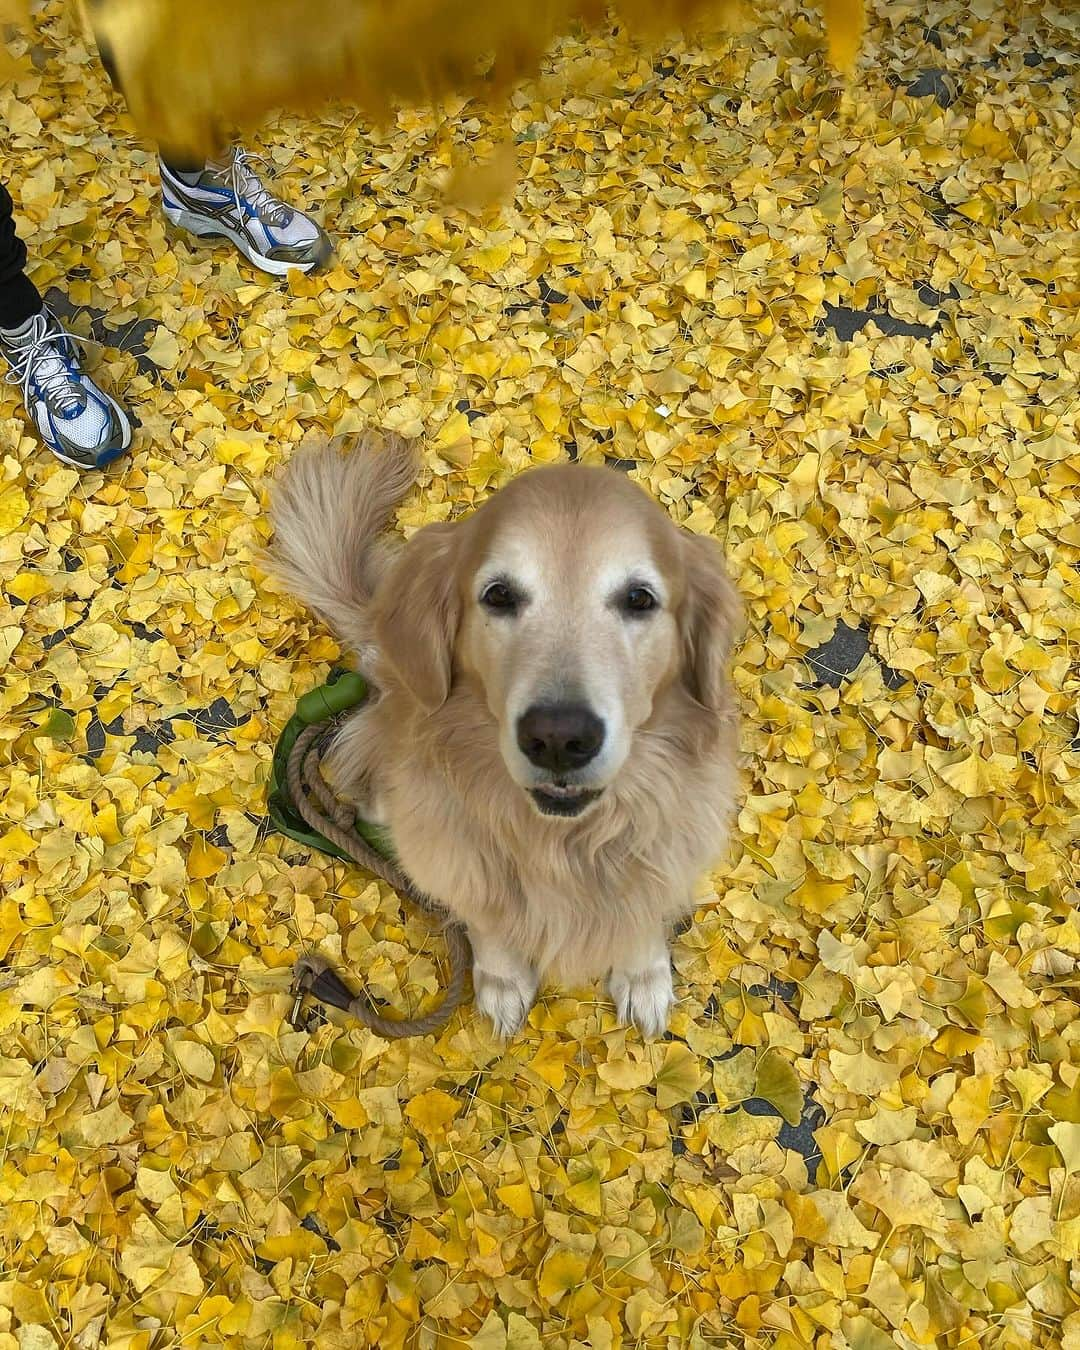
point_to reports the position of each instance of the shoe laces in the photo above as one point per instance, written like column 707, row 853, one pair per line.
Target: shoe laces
column 245, row 182
column 37, row 358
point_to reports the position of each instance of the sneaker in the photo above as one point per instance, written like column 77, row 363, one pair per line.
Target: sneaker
column 79, row 423
column 229, row 200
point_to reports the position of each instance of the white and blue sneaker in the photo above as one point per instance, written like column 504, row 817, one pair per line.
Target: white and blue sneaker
column 79, row 422
column 228, row 200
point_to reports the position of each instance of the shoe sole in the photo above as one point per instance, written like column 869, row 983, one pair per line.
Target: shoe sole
column 102, row 462
column 213, row 229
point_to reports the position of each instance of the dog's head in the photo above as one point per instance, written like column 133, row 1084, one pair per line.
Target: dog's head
column 572, row 602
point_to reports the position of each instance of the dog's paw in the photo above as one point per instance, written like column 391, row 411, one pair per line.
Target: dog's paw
column 505, row 999
column 644, row 997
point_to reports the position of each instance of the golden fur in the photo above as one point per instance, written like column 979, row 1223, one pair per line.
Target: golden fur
column 433, row 756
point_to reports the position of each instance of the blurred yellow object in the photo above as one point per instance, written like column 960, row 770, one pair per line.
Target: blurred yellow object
column 14, row 15
column 845, row 20
column 191, row 69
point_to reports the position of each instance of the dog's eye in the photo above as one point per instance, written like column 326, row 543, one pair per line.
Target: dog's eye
column 639, row 600
column 499, row 596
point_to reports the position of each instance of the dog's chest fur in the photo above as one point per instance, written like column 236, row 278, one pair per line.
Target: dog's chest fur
column 567, row 895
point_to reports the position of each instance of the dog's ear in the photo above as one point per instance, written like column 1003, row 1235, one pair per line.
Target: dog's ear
column 417, row 612
column 710, row 620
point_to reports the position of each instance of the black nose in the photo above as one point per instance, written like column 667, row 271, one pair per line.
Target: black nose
column 559, row 736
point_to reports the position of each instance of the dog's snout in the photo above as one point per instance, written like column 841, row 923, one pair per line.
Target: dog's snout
column 559, row 736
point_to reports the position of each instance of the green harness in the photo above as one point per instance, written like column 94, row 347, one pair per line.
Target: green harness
column 302, row 806
column 343, row 692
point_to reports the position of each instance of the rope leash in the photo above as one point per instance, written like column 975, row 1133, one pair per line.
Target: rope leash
column 334, row 819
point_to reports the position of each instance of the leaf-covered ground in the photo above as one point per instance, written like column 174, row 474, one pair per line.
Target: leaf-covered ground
column 838, row 329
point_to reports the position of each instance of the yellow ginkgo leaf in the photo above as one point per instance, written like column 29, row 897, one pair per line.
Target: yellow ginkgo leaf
column 970, row 1105
column 904, row 1197
column 432, row 1111
column 778, row 1084
column 205, row 859
column 679, row 1076
column 561, row 1273
column 1066, row 1135
column 13, row 506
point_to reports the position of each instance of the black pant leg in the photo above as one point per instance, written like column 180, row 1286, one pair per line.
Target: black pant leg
column 19, row 298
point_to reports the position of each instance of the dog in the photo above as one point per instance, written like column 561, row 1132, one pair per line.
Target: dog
column 553, row 743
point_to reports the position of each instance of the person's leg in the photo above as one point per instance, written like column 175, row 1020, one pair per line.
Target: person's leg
column 77, row 421
column 224, row 198
column 19, row 298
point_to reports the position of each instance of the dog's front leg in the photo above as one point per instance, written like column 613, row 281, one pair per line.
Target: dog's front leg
column 640, row 982
column 504, row 982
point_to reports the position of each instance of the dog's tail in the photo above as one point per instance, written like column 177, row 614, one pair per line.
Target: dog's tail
column 328, row 510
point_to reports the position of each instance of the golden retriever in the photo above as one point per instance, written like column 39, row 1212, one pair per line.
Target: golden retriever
column 553, row 743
